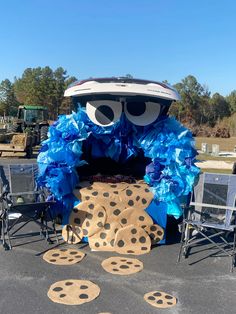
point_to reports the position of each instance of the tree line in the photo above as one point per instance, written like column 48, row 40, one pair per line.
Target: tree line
column 36, row 86
column 198, row 109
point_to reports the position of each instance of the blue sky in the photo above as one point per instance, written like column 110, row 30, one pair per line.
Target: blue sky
column 151, row 39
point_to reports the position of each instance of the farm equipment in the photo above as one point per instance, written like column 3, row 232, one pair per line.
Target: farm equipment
column 20, row 145
column 31, row 119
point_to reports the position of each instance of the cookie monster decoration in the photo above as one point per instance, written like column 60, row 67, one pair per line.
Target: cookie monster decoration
column 119, row 138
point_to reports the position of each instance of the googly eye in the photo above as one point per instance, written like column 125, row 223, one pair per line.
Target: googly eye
column 142, row 113
column 104, row 112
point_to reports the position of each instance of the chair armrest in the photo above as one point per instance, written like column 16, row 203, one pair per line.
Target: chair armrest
column 24, row 193
column 213, row 206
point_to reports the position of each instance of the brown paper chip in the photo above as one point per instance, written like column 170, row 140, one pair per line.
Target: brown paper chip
column 155, row 232
column 113, row 206
column 122, row 265
column 73, row 292
column 63, row 256
column 69, row 235
column 104, row 239
column 137, row 195
column 135, row 216
column 160, row 299
column 87, row 218
column 132, row 240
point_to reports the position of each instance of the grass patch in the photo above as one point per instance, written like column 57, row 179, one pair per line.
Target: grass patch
column 224, row 171
column 226, row 144
column 219, row 158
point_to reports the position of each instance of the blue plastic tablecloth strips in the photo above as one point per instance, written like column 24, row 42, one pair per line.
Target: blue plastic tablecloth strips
column 166, row 142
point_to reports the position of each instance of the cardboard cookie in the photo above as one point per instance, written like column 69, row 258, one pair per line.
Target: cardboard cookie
column 92, row 191
column 63, row 256
column 89, row 193
column 141, row 182
column 110, row 186
column 87, row 218
column 160, row 299
column 132, row 240
column 73, row 292
column 95, row 194
column 122, row 265
column 104, row 239
column 135, row 216
column 137, row 195
column 113, row 206
column 106, row 196
column 155, row 232
column 69, row 235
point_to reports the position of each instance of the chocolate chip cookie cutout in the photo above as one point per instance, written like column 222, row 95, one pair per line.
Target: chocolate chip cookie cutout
column 98, row 189
column 69, row 235
column 135, row 216
column 160, row 299
column 132, row 240
column 113, row 206
column 87, row 218
column 104, row 239
column 155, row 232
column 73, row 292
column 111, row 187
column 122, row 265
column 137, row 195
column 63, row 256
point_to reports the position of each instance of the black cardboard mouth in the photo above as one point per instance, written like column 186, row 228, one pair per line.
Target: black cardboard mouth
column 135, row 167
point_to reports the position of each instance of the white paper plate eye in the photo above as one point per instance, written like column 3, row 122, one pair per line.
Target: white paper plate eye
column 142, row 113
column 104, row 112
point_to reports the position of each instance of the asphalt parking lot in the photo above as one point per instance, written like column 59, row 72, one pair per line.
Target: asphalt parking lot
column 201, row 285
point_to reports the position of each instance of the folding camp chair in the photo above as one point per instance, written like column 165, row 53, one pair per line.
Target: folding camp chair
column 22, row 202
column 211, row 215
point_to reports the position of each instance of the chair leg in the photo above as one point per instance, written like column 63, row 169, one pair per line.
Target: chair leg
column 53, row 224
column 44, row 226
column 47, row 234
column 186, row 243
column 182, row 240
column 234, row 252
column 8, row 235
column 54, row 230
column 5, row 231
column 50, row 241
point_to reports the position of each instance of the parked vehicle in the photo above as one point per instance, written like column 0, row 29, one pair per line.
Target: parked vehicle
column 31, row 119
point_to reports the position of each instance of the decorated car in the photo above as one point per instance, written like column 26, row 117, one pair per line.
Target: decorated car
column 118, row 164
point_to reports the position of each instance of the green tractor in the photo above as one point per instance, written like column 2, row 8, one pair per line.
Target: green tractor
column 32, row 119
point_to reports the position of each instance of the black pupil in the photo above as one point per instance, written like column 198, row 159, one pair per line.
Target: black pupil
column 136, row 108
column 104, row 115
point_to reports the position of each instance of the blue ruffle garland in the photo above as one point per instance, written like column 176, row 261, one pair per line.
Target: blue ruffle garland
column 166, row 142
